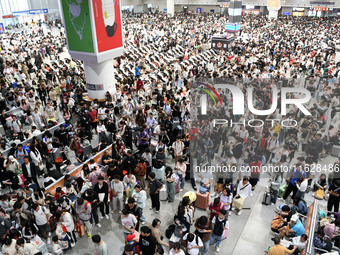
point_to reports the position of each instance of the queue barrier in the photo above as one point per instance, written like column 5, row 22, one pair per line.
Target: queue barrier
column 76, row 172
column 51, row 130
column 312, row 224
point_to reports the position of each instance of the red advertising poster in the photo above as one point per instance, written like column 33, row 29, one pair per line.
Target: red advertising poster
column 108, row 24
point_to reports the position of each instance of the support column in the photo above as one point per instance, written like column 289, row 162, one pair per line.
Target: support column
column 273, row 7
column 99, row 79
column 170, row 6
column 273, row 14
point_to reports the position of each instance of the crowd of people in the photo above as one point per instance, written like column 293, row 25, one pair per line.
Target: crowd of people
column 158, row 136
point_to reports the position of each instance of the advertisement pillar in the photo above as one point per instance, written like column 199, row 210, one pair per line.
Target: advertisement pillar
column 273, row 7
column 337, row 53
column 99, row 79
column 170, row 6
column 93, row 30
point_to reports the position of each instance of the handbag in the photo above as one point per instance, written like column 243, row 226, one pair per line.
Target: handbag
column 319, row 194
column 80, row 228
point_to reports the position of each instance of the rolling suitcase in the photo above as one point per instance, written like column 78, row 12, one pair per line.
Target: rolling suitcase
column 177, row 184
column 202, row 200
column 335, row 151
column 162, row 194
column 282, row 190
column 267, row 198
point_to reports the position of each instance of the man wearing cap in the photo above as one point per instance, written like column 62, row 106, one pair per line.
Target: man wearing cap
column 81, row 157
column 12, row 164
column 294, row 228
column 279, row 249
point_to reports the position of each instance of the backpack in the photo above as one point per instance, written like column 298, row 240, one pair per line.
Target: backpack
column 276, row 222
column 219, row 226
column 169, row 231
column 86, row 203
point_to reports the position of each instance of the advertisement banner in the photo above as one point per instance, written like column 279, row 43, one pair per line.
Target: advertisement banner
column 273, row 4
column 107, row 18
column 78, row 25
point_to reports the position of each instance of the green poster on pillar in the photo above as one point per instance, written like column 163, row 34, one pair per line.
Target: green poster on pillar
column 78, row 25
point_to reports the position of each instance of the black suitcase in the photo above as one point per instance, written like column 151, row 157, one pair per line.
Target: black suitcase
column 267, row 198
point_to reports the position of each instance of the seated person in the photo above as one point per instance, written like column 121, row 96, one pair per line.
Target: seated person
column 294, row 228
column 321, row 241
column 278, row 248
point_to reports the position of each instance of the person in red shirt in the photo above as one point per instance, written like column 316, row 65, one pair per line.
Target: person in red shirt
column 58, row 193
column 215, row 207
column 255, row 168
column 93, row 114
column 139, row 84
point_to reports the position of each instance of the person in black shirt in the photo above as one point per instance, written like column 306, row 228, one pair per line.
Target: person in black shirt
column 3, row 120
column 62, row 135
column 129, row 161
column 153, row 189
column 134, row 209
column 147, row 244
column 334, row 197
column 114, row 169
column 102, row 189
column 106, row 159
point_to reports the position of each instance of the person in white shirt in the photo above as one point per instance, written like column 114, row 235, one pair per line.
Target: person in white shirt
column 129, row 222
column 302, row 185
column 67, row 220
column 101, row 130
column 193, row 243
column 41, row 219
column 178, row 147
column 176, row 250
column 243, row 191
column 26, row 248
column 117, row 188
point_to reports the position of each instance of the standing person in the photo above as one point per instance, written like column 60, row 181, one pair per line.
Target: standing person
column 178, row 148
column 67, row 220
column 129, row 223
column 93, row 115
column 170, row 178
column 29, row 170
column 135, row 210
column 42, row 221
column 243, row 191
column 181, row 168
column 117, row 189
column 147, row 244
column 215, row 207
column 275, row 186
column 156, row 233
column 176, row 250
column 219, row 224
column 226, row 198
column 153, row 189
column 193, row 243
column 293, row 179
column 140, row 172
column 100, row 246
column 334, row 197
column 140, row 197
column 204, row 230
column 84, row 211
column 102, row 189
